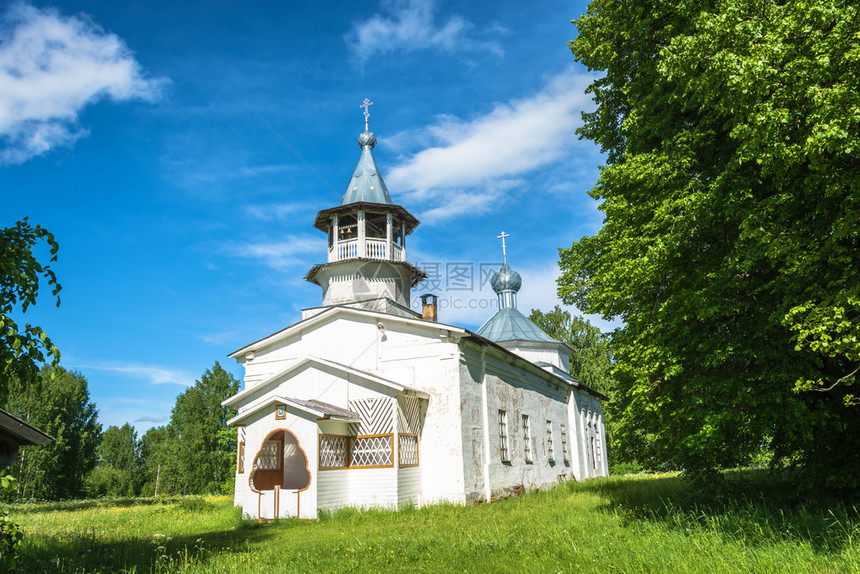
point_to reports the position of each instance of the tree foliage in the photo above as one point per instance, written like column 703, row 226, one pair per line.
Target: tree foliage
column 731, row 240
column 60, row 406
column 198, row 420
column 591, row 361
column 23, row 350
column 119, row 471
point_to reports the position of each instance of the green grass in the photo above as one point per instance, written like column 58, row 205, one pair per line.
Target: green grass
column 626, row 524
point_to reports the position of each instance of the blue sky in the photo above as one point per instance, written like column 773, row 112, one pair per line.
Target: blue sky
column 179, row 151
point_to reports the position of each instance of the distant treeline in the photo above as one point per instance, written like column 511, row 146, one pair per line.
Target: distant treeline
column 193, row 454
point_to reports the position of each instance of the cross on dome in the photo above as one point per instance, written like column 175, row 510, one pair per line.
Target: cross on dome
column 365, row 104
column 504, row 249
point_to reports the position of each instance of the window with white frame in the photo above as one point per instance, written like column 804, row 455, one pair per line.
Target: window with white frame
column 549, row 446
column 564, row 443
column 527, row 439
column 503, row 436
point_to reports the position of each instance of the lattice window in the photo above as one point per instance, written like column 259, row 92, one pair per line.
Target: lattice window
column 564, row 443
column 527, row 439
column 241, row 458
column 269, row 457
column 549, row 445
column 373, row 450
column 407, row 449
column 334, row 450
column 503, row 435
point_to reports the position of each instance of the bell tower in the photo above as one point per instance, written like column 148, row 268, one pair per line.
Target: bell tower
column 367, row 233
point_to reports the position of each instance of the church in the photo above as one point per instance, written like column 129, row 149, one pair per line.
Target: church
column 367, row 403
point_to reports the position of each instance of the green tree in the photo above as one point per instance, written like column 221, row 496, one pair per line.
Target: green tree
column 591, row 361
column 731, row 240
column 162, row 470
column 119, row 464
column 198, row 419
column 23, row 350
column 59, row 405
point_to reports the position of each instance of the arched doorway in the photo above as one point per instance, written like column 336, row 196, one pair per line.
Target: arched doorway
column 280, row 469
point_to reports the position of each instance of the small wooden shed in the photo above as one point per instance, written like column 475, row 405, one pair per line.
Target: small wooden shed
column 15, row 433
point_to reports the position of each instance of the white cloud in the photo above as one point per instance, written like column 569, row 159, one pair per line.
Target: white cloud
column 218, row 338
column 473, row 164
column 272, row 211
column 154, row 374
column 411, row 27
column 51, row 67
column 279, row 254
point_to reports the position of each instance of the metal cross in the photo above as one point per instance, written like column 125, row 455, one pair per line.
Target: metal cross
column 365, row 105
column 504, row 249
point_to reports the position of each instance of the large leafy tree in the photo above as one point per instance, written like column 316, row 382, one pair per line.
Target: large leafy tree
column 198, row 421
column 731, row 241
column 22, row 350
column 60, row 405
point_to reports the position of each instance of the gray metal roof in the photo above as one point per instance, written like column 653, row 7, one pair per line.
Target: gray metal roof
column 327, row 408
column 366, row 184
column 509, row 324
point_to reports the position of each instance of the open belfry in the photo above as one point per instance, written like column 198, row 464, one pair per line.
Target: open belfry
column 365, row 402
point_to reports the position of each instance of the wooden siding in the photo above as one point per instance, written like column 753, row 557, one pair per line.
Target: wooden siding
column 409, row 485
column 372, row 487
column 333, row 489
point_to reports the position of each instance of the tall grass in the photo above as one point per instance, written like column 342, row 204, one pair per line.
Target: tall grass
column 626, row 524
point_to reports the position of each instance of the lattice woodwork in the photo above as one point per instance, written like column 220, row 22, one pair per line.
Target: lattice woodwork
column 408, row 410
column 407, row 449
column 334, row 451
column 269, row 457
column 371, row 450
column 376, row 416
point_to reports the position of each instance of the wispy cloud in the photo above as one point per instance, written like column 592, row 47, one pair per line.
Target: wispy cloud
column 151, row 419
column 470, row 164
column 51, row 67
column 278, row 254
column 273, row 211
column 154, row 374
column 218, row 338
column 412, row 26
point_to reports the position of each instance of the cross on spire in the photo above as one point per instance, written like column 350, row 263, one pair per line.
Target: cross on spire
column 504, row 248
column 365, row 104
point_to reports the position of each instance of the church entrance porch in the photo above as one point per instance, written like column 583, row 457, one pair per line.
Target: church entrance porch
column 280, row 474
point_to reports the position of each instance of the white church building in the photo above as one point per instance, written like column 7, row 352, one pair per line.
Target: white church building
column 365, row 402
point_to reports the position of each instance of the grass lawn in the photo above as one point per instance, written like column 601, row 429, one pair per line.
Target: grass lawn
column 624, row 524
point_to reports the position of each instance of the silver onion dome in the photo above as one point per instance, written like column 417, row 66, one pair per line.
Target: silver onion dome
column 367, row 138
column 506, row 279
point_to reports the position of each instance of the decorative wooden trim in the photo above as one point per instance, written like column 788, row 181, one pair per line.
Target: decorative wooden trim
column 298, row 444
column 241, row 458
column 280, row 412
column 319, row 451
column 417, row 450
column 391, row 435
column 349, row 441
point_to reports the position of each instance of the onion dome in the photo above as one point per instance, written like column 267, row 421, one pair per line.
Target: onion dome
column 506, row 279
